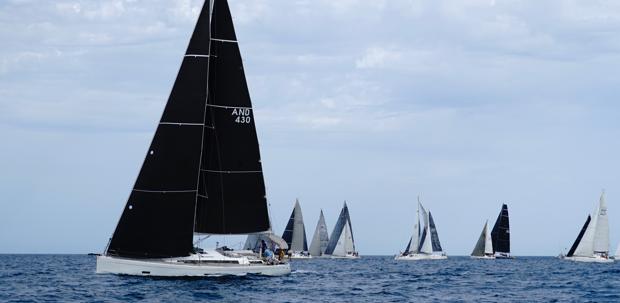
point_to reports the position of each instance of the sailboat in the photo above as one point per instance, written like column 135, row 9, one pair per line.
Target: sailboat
column 592, row 243
column 484, row 246
column 341, row 245
column 320, row 238
column 500, row 235
column 202, row 174
column 617, row 254
column 295, row 235
column 424, row 243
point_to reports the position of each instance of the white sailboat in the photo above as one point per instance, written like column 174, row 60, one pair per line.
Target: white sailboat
column 202, row 174
column 424, row 243
column 484, row 246
column 342, row 245
column 592, row 243
column 320, row 238
column 617, row 254
column 295, row 235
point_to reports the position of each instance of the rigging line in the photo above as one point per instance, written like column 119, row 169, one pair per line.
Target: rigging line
column 224, row 106
column 224, row 40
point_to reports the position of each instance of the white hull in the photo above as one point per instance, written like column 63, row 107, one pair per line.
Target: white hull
column 593, row 259
column 298, row 256
column 483, row 257
column 416, row 257
column 179, row 267
column 347, row 256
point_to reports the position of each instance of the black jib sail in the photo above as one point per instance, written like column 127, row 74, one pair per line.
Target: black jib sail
column 202, row 171
column 578, row 240
column 500, row 235
column 434, row 236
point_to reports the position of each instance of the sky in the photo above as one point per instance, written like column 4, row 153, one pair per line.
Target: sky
column 469, row 104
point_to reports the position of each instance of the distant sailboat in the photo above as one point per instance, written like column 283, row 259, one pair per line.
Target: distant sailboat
column 592, row 243
column 484, row 246
column 424, row 243
column 617, row 254
column 202, row 174
column 320, row 238
column 295, row 235
column 341, row 245
column 500, row 235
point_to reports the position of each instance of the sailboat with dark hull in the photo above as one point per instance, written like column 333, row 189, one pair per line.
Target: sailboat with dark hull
column 202, row 174
column 500, row 235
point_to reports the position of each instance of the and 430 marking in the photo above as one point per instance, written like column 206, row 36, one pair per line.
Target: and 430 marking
column 242, row 115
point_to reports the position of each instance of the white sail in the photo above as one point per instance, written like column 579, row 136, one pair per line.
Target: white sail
column 601, row 232
column 415, row 238
column 617, row 255
column 586, row 245
column 426, row 246
column 320, row 238
column 340, row 249
column 349, row 246
column 488, row 242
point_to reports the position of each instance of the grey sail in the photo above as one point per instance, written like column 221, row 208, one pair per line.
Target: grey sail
column 320, row 238
column 342, row 236
column 295, row 232
column 479, row 248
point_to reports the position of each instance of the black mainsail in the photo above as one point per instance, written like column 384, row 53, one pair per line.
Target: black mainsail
column 202, row 172
column 500, row 235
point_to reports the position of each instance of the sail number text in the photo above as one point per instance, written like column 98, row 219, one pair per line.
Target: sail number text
column 242, row 115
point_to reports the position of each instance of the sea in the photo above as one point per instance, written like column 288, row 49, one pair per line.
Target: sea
column 72, row 278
